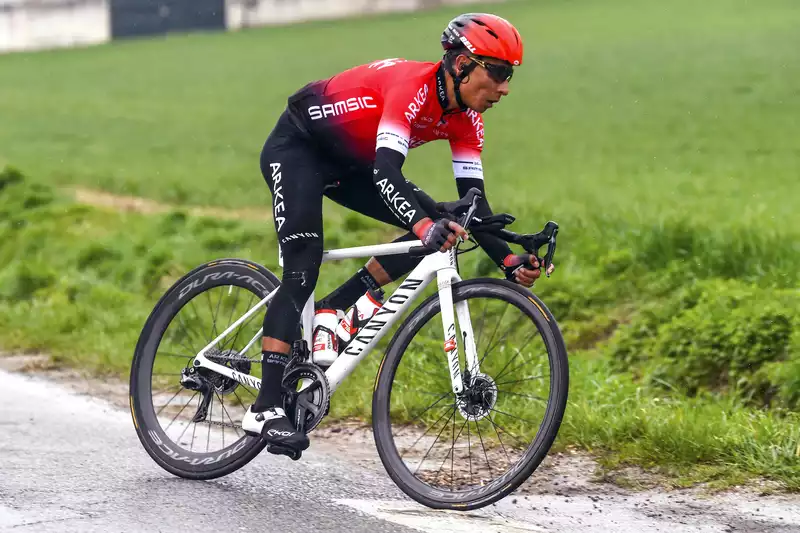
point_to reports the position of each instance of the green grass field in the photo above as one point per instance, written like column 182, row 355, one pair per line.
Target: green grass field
column 663, row 137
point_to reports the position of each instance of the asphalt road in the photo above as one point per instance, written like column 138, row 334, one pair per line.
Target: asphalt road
column 73, row 463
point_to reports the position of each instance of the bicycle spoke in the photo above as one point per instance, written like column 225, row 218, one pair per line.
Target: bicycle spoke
column 170, row 354
column 197, row 316
column 519, row 380
column 246, row 389
column 504, row 337
column 222, row 418
column 178, row 440
column 499, row 439
column 194, row 430
column 216, row 312
column 240, row 329
column 427, row 392
column 437, row 437
column 518, row 352
column 512, row 329
column 185, row 330
column 469, row 448
column 453, row 456
column 211, row 312
column 230, row 317
column 418, row 371
column 494, row 333
column 450, row 453
column 180, row 388
column 244, row 324
column 523, row 395
column 514, row 370
column 514, row 416
column 225, row 411
column 179, row 412
column 515, row 437
column 210, row 412
column 426, row 432
column 244, row 405
column 443, row 396
column 480, row 436
column 483, row 319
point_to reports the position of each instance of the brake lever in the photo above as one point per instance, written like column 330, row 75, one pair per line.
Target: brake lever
column 551, row 252
column 470, row 214
column 547, row 236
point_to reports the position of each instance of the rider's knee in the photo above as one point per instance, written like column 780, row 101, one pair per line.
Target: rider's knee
column 302, row 260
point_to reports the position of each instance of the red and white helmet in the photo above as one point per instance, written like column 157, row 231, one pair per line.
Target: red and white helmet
column 484, row 35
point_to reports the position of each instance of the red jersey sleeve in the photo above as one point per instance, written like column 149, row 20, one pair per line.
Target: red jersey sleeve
column 401, row 105
column 466, row 145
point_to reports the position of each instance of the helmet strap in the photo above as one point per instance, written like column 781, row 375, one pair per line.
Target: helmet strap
column 458, row 79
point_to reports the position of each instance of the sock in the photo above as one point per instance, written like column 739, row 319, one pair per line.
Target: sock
column 273, row 364
column 352, row 289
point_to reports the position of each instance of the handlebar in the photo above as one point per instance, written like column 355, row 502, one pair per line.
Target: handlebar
column 495, row 225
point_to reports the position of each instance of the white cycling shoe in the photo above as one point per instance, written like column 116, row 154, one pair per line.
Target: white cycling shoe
column 275, row 428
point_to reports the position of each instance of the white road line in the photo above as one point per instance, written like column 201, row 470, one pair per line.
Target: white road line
column 437, row 521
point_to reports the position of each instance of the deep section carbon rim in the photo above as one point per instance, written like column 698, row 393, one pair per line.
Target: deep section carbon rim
column 449, row 449
column 198, row 410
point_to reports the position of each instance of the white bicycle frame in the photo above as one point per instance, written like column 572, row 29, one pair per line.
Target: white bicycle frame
column 440, row 265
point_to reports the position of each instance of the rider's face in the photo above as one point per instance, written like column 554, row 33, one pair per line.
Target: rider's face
column 481, row 90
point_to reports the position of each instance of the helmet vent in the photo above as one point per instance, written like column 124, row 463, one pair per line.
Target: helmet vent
column 493, row 34
column 458, row 23
column 478, row 21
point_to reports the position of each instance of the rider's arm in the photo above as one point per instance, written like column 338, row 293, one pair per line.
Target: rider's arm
column 394, row 135
column 496, row 248
column 468, row 171
column 393, row 188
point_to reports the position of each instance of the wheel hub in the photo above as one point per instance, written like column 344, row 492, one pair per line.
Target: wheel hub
column 478, row 399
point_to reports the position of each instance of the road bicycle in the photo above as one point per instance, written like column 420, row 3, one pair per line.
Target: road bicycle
column 464, row 407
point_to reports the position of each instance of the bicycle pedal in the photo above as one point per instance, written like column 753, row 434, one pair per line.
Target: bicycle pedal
column 282, row 450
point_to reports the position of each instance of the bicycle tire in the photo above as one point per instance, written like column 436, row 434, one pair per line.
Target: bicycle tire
column 546, row 326
column 166, row 453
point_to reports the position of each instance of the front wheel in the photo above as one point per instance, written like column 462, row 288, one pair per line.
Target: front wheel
column 469, row 450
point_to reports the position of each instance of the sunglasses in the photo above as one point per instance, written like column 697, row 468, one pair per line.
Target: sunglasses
column 498, row 73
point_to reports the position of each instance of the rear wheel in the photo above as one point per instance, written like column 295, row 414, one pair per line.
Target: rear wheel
column 466, row 451
column 189, row 420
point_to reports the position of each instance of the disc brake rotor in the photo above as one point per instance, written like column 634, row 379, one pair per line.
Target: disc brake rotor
column 477, row 401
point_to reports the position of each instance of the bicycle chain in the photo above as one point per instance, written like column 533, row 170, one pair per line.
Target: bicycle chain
column 255, row 359
column 223, row 424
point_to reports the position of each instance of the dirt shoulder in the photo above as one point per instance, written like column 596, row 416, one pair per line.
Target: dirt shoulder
column 136, row 204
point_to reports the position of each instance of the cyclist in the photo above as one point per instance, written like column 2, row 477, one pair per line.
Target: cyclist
column 346, row 137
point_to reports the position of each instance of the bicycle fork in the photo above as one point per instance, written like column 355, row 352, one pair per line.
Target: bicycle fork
column 445, row 279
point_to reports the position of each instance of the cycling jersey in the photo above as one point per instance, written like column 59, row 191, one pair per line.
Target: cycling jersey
column 393, row 104
column 396, row 104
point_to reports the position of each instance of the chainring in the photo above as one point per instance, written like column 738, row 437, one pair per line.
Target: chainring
column 308, row 407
